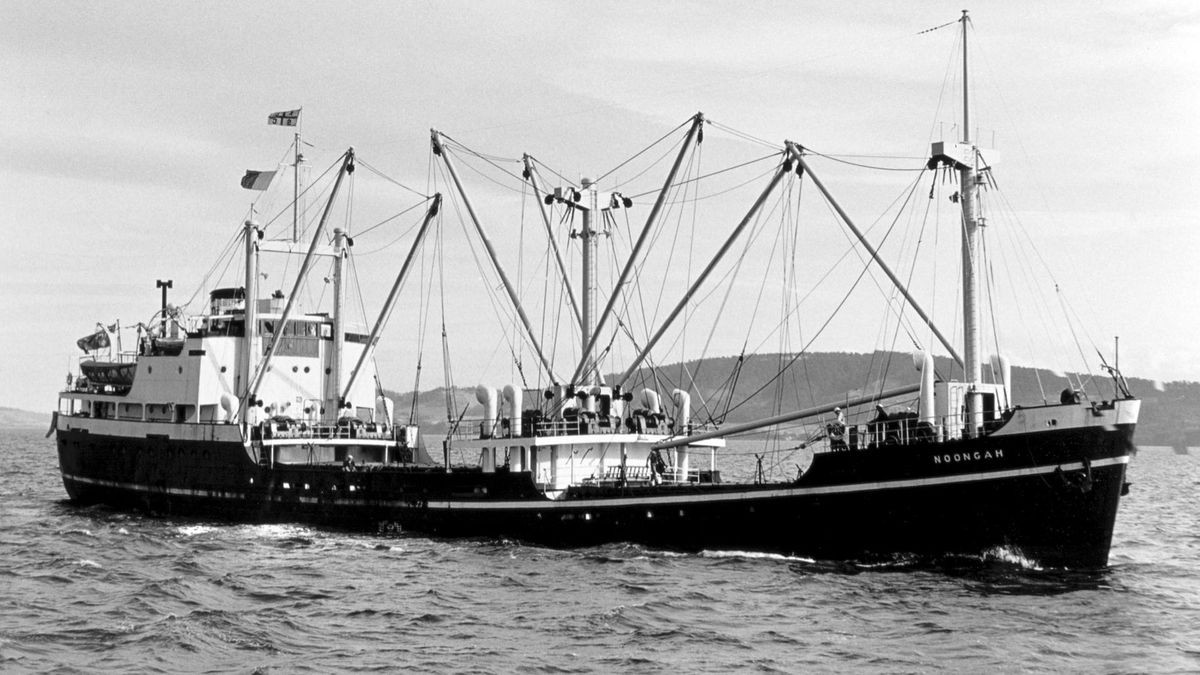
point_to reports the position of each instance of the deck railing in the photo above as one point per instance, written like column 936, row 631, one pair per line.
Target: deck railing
column 895, row 432
column 302, row 430
column 470, row 429
column 615, row 476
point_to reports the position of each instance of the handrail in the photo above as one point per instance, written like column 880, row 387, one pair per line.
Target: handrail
column 301, row 430
column 469, row 428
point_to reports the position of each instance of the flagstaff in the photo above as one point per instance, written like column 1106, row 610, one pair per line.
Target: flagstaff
column 291, row 118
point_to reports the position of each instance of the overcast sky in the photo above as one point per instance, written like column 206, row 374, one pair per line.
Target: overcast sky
column 126, row 127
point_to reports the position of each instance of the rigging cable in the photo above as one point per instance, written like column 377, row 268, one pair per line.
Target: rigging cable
column 1017, row 307
column 490, row 288
column 447, row 368
column 1038, row 186
column 852, row 248
column 387, row 220
column 908, row 283
column 741, row 134
column 825, row 324
column 423, row 308
column 836, row 158
column 990, row 289
column 561, row 177
column 490, row 159
column 748, row 241
column 226, row 250
column 287, row 208
column 687, row 314
column 719, row 172
column 472, row 167
column 516, row 330
column 669, row 152
column 643, row 150
column 360, row 162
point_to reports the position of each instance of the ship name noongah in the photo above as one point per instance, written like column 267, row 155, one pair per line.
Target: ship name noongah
column 949, row 458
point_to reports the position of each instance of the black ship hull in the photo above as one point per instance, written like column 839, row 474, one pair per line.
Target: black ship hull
column 1049, row 495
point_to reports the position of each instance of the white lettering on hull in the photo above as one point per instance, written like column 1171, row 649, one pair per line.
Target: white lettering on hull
column 978, row 455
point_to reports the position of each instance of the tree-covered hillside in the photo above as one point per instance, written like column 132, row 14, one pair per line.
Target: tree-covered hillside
column 759, row 390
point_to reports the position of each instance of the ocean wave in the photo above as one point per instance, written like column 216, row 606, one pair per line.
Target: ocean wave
column 755, row 555
column 92, row 589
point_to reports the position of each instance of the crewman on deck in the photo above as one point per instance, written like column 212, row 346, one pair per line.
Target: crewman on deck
column 658, row 466
column 878, row 425
column 837, row 430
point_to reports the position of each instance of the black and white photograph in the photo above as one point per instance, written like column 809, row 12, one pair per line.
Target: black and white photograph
column 622, row 337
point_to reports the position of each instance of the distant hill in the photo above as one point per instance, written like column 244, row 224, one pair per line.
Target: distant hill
column 828, row 376
column 816, row 378
column 14, row 418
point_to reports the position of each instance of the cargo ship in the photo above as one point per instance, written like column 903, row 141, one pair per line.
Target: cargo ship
column 254, row 410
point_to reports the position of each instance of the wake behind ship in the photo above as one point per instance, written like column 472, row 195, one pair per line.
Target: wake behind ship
column 252, row 408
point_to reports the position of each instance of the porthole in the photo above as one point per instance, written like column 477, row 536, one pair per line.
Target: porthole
column 149, row 369
column 295, row 369
column 222, row 369
column 306, row 369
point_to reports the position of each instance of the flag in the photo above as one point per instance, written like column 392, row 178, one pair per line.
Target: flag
column 257, row 180
column 287, row 118
column 97, row 340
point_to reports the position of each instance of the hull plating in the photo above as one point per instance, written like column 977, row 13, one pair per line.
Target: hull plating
column 1051, row 495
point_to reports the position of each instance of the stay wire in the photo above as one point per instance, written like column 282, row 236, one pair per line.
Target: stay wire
column 804, row 349
column 377, row 172
column 749, row 239
column 845, row 298
column 225, row 255
column 908, row 283
column 671, row 150
column 485, row 176
column 489, row 287
column 389, row 219
column 717, row 173
column 740, row 134
column 852, row 248
column 313, row 183
column 561, row 177
column 838, row 159
column 490, row 159
column 643, row 150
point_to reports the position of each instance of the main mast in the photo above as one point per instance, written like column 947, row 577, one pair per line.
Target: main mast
column 968, row 175
column 588, row 236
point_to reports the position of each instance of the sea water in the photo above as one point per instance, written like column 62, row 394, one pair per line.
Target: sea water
column 96, row 590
